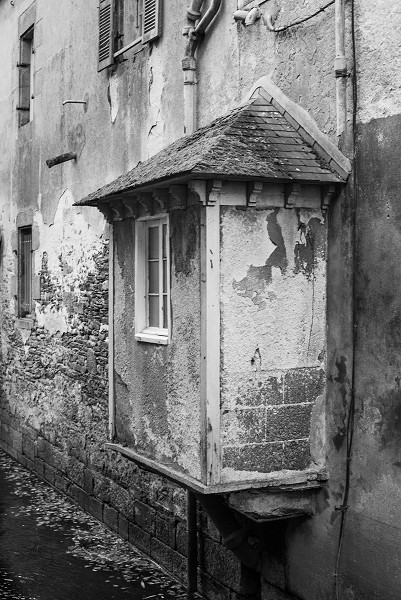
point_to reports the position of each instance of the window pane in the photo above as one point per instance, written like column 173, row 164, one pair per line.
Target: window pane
column 153, row 276
column 153, row 311
column 153, row 247
column 164, row 241
column 164, row 275
column 165, row 324
column 25, row 271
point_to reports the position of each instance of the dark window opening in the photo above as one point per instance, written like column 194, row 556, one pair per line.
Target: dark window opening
column 25, row 66
column 24, row 271
column 125, row 24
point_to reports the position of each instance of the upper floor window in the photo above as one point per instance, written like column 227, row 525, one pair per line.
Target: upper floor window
column 152, row 281
column 124, row 24
column 26, row 67
column 24, row 271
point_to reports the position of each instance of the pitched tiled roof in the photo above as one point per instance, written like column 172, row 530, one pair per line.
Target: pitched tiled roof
column 256, row 141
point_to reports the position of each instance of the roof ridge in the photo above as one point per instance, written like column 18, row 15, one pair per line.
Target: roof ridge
column 304, row 124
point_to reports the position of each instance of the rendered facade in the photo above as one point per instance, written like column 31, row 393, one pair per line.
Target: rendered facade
column 200, row 301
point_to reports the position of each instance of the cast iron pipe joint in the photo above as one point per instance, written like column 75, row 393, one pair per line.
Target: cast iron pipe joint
column 340, row 66
column 188, row 64
column 193, row 41
column 194, row 10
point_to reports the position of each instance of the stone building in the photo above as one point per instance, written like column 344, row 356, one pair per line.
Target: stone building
column 200, row 307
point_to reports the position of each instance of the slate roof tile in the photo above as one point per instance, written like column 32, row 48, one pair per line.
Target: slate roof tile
column 253, row 141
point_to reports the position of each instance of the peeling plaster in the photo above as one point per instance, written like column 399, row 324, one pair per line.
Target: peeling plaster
column 273, row 332
column 113, row 97
column 156, row 88
column 69, row 246
column 52, row 319
column 379, row 65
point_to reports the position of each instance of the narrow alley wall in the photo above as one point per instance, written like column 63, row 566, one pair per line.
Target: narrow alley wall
column 53, row 372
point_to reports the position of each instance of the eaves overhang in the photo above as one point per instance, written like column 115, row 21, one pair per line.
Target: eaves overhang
column 261, row 140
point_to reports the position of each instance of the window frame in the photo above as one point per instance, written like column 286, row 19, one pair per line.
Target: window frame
column 113, row 15
column 121, row 27
column 144, row 332
column 24, row 299
column 26, row 73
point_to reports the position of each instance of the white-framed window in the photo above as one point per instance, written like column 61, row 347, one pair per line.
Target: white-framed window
column 152, row 280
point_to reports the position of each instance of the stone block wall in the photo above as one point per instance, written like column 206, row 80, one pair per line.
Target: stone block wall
column 139, row 506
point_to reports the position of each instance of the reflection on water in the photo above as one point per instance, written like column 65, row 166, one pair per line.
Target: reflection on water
column 51, row 550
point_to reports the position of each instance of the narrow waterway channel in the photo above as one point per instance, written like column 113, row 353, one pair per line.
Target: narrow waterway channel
column 52, row 550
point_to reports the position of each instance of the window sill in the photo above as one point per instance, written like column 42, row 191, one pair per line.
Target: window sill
column 24, row 323
column 152, row 337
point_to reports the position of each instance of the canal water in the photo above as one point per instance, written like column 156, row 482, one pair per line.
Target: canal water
column 51, row 550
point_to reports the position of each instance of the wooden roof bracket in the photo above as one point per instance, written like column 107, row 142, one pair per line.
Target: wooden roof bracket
column 253, row 192
column 328, row 195
column 292, row 195
column 213, row 191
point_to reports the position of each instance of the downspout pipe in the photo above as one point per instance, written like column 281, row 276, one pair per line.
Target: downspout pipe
column 192, row 543
column 234, row 536
column 340, row 66
column 112, row 404
column 195, row 32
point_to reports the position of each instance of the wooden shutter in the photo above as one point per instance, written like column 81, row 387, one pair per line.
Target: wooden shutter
column 106, row 34
column 151, row 20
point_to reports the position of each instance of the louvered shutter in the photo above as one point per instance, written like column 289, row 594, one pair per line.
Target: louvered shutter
column 106, row 34
column 152, row 20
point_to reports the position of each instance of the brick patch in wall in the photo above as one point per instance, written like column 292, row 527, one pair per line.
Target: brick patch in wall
column 303, row 385
column 242, row 425
column 287, row 422
column 263, row 458
column 266, row 389
column 296, row 455
column 268, row 457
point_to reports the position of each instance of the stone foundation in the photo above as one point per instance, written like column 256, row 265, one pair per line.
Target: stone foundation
column 140, row 507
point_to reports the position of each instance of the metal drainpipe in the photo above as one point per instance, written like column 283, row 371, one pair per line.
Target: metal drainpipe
column 111, row 335
column 340, row 66
column 192, row 544
column 195, row 33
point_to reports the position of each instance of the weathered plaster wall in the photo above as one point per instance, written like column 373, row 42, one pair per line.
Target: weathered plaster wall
column 369, row 566
column 54, row 405
column 378, row 59
column 158, row 387
column 376, row 478
column 299, row 60
column 273, row 305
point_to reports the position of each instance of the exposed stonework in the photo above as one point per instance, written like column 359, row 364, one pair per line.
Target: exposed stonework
column 273, row 369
